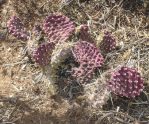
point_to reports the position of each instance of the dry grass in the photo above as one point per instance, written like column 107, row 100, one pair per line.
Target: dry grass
column 27, row 97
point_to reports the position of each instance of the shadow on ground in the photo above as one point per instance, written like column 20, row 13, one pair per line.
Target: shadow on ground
column 16, row 111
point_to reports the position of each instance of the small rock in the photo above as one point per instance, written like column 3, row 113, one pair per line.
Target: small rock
column 2, row 36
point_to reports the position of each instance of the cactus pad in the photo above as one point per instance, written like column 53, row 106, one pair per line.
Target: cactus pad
column 16, row 28
column 58, row 28
column 126, row 82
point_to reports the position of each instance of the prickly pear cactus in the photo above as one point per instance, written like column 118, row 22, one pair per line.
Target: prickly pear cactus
column 108, row 43
column 58, row 27
column 17, row 29
column 126, row 82
column 89, row 58
column 42, row 55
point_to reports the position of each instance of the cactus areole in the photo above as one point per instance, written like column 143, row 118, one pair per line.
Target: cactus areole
column 126, row 82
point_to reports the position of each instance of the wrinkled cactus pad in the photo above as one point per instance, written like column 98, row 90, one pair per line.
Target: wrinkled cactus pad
column 17, row 29
column 108, row 43
column 89, row 58
column 42, row 55
column 85, row 52
column 126, row 82
column 58, row 27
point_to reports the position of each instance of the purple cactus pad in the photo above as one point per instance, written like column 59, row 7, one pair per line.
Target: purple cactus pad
column 126, row 82
column 108, row 43
column 16, row 28
column 58, row 28
column 89, row 58
column 42, row 55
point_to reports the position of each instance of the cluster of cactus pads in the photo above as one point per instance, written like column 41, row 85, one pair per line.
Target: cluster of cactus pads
column 58, row 28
